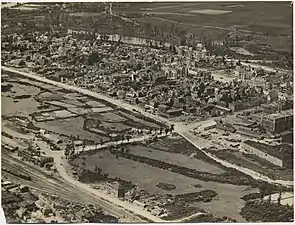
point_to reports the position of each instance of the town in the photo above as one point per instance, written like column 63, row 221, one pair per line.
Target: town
column 113, row 127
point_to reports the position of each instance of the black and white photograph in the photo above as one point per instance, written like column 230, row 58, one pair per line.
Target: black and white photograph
column 147, row 112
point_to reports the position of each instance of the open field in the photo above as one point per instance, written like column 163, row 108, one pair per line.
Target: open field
column 175, row 158
column 25, row 107
column 70, row 126
column 147, row 177
column 11, row 105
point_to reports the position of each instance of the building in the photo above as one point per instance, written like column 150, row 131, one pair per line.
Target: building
column 209, row 125
column 172, row 113
column 278, row 122
column 224, row 126
column 163, row 108
column 281, row 155
column 121, row 94
column 53, row 140
column 246, row 104
column 248, row 132
column 160, row 79
column 170, row 73
column 9, row 147
column 117, row 189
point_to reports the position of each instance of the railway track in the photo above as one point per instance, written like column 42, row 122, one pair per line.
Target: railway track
column 58, row 187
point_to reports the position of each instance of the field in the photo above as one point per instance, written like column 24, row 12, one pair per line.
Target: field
column 175, row 158
column 270, row 21
column 147, row 177
column 11, row 105
column 70, row 126
column 65, row 113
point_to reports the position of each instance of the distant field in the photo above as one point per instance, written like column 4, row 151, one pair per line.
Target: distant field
column 273, row 18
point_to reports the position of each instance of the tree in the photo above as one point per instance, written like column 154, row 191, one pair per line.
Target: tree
column 279, row 198
column 122, row 150
column 172, row 128
column 128, row 138
column 94, row 57
column 137, row 101
column 264, row 190
column 83, row 164
column 97, row 170
column 166, row 131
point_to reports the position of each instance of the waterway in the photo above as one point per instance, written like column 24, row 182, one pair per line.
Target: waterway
column 128, row 40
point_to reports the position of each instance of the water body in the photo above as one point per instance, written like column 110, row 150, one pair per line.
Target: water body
column 127, row 40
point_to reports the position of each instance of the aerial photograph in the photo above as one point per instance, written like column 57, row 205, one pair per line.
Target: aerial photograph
column 147, row 112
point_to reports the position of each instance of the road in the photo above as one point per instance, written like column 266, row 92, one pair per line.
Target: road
column 196, row 141
column 115, row 143
column 178, row 128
